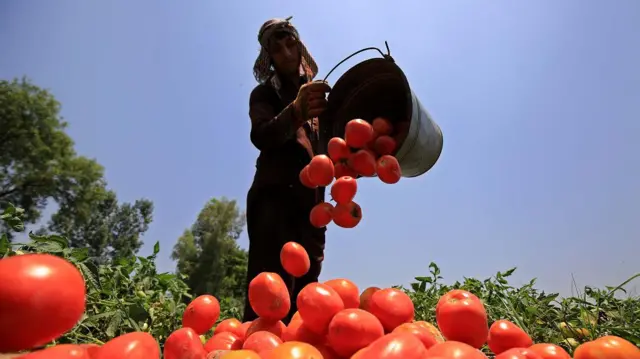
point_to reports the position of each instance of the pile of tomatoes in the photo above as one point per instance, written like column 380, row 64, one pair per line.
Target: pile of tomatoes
column 366, row 151
column 334, row 321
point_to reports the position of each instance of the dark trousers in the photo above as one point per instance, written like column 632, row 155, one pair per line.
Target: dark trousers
column 275, row 216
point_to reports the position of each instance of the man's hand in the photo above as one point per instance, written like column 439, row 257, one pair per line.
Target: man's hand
column 311, row 100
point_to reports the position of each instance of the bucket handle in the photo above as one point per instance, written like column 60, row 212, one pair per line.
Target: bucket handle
column 387, row 56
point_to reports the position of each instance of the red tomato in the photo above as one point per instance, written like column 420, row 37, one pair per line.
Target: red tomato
column 184, row 343
column 321, row 214
column 363, row 162
column 201, row 314
column 92, row 349
column 294, row 350
column 461, row 317
column 454, row 350
column 262, row 324
column 549, row 351
column 327, row 353
column 320, row 170
column 317, row 304
column 344, row 190
column 240, row 354
column 61, row 351
column 607, row 347
column 518, row 353
column 260, row 341
column 353, row 329
column 396, row 345
column 231, row 325
column 382, row 126
column 392, row 306
column 347, row 215
column 347, row 290
column 338, row 149
column 269, row 296
column 388, row 169
column 504, row 335
column 384, row 145
column 432, row 329
column 136, row 345
column 304, row 178
column 245, row 326
column 294, row 259
column 223, row 341
column 41, row 297
column 365, row 297
column 297, row 331
column 342, row 169
column 425, row 335
column 358, row 133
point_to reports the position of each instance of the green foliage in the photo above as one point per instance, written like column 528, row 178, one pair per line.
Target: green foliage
column 208, row 254
column 540, row 314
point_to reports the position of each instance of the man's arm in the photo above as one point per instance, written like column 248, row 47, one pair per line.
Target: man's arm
column 268, row 129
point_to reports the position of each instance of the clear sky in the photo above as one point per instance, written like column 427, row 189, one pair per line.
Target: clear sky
column 539, row 103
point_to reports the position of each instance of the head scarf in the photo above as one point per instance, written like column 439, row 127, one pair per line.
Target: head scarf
column 263, row 69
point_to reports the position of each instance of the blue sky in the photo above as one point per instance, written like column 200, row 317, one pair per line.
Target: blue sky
column 539, row 103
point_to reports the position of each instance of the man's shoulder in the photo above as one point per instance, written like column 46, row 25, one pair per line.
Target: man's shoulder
column 262, row 91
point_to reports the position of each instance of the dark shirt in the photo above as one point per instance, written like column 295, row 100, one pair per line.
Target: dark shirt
column 285, row 146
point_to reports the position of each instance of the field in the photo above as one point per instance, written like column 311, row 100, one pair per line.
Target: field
column 131, row 295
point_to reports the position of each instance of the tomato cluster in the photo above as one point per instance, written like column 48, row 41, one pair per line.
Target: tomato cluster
column 366, row 151
column 334, row 321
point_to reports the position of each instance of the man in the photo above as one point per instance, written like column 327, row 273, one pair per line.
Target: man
column 283, row 108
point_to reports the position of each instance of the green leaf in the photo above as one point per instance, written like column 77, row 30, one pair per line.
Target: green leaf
column 114, row 324
column 4, row 244
column 60, row 240
column 156, row 248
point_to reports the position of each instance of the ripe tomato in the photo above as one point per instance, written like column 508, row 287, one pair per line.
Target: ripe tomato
column 184, row 343
column 353, row 329
column 338, row 149
column 358, row 133
column 384, row 145
column 392, row 307
column 461, row 317
column 223, row 341
column 317, row 304
column 327, row 352
column 607, row 347
column 342, row 169
column 320, row 170
column 297, row 331
column 425, row 335
column 41, row 297
column 549, row 351
column 504, row 335
column 201, row 314
column 60, row 351
column 136, row 345
column 365, row 297
column 92, row 349
column 260, row 341
column 347, row 215
column 245, row 326
column 269, row 296
column 240, row 354
column 518, row 353
column 432, row 329
column 344, row 190
column 363, row 162
column 262, row 324
column 231, row 325
column 388, row 169
column 294, row 350
column 454, row 350
column 396, row 345
column 321, row 214
column 347, row 290
column 382, row 126
column 294, row 259
column 304, row 178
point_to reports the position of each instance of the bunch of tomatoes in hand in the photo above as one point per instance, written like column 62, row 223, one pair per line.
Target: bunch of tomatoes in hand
column 366, row 151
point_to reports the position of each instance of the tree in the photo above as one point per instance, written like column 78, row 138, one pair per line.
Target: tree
column 208, row 253
column 37, row 159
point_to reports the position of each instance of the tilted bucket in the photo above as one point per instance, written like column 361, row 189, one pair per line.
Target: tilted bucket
column 378, row 88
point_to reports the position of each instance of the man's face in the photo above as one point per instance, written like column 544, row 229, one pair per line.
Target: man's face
column 285, row 53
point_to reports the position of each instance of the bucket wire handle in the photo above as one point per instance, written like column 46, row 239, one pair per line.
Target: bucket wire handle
column 387, row 56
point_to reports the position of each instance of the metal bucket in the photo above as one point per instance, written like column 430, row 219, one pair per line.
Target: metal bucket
column 378, row 88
